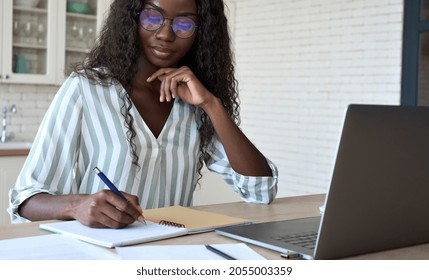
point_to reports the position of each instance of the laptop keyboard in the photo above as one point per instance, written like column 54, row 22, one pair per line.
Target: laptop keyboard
column 305, row 239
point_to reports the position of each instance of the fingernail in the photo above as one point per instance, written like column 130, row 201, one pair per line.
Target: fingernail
column 141, row 219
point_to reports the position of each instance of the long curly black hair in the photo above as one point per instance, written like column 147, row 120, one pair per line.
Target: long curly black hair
column 210, row 58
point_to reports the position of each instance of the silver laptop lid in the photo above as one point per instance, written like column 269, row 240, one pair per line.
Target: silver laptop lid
column 379, row 191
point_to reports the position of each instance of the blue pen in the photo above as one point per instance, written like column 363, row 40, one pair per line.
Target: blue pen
column 111, row 186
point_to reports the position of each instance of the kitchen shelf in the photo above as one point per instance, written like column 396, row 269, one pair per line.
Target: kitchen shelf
column 39, row 44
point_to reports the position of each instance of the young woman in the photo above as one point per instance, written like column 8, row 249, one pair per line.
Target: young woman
column 154, row 100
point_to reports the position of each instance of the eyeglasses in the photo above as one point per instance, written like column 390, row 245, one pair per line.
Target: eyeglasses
column 152, row 20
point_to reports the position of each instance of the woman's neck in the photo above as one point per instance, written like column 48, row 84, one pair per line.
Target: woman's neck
column 145, row 69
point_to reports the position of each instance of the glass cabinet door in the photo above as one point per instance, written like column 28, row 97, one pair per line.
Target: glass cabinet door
column 81, row 30
column 80, row 24
column 27, row 44
column 41, row 39
column 29, row 34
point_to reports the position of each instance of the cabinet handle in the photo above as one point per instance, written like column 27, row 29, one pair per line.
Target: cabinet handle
column 7, row 77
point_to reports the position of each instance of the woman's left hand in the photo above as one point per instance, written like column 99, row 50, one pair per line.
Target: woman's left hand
column 181, row 82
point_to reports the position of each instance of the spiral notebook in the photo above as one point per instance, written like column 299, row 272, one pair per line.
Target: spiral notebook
column 162, row 223
column 195, row 221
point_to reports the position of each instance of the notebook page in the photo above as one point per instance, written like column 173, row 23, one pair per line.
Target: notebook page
column 107, row 237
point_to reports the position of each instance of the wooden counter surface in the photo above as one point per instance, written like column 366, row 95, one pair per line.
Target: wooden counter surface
column 8, row 153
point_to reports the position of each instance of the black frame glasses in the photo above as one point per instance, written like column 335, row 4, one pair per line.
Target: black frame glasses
column 152, row 20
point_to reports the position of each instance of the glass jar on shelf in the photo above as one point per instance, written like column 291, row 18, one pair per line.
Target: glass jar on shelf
column 81, row 35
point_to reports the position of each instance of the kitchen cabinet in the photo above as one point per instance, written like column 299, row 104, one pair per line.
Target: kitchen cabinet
column 27, row 55
column 38, row 43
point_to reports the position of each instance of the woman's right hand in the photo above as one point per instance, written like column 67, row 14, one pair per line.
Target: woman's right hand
column 106, row 209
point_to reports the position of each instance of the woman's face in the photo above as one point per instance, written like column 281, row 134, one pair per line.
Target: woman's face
column 162, row 47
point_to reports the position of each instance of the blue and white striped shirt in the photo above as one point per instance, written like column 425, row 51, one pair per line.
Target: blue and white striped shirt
column 84, row 128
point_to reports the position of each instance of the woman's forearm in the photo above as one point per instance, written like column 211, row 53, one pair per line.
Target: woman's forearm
column 243, row 156
column 50, row 207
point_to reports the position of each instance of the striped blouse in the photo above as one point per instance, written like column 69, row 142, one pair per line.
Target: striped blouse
column 84, row 128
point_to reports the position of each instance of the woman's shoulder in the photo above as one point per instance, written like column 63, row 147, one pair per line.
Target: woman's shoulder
column 98, row 73
column 99, row 77
column 86, row 85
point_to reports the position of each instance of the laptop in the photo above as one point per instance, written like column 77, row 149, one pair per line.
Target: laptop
column 378, row 197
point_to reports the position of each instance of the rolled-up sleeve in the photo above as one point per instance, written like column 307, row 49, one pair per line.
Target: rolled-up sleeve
column 253, row 189
column 49, row 165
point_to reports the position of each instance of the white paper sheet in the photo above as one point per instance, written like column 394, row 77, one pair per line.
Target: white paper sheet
column 51, row 247
column 239, row 251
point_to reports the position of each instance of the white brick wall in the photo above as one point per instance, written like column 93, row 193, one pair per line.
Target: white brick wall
column 299, row 64
column 31, row 102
